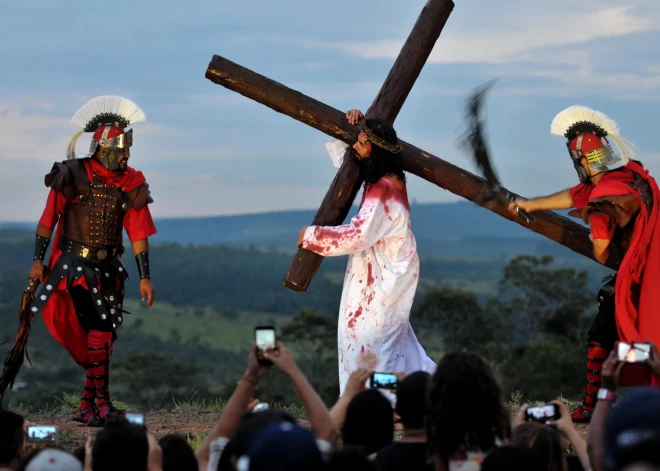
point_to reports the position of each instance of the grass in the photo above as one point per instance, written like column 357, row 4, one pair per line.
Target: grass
column 210, row 327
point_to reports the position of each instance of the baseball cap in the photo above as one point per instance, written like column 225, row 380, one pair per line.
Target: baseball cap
column 632, row 432
column 52, row 459
column 283, row 446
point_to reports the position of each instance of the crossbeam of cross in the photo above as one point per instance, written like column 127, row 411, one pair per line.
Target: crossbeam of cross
column 346, row 184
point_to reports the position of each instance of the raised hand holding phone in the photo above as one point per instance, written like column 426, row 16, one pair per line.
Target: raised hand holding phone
column 264, row 337
column 384, row 381
column 135, row 417
column 283, row 359
column 543, row 414
column 636, row 369
column 43, row 434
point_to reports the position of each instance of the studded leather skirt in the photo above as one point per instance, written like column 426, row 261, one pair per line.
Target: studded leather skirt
column 105, row 281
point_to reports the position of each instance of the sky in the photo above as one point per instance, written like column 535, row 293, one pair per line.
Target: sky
column 206, row 150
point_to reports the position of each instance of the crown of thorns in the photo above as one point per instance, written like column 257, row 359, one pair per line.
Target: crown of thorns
column 383, row 144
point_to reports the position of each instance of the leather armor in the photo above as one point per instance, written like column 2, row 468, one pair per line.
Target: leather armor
column 95, row 210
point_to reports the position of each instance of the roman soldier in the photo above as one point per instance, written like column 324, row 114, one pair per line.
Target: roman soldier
column 618, row 199
column 91, row 199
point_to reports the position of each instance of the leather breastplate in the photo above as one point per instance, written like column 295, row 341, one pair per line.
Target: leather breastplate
column 96, row 218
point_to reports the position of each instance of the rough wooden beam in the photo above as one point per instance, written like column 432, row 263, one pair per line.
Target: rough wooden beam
column 280, row 98
column 471, row 187
column 427, row 166
column 411, row 60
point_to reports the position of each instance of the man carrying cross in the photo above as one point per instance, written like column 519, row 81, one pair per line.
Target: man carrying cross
column 383, row 267
column 619, row 200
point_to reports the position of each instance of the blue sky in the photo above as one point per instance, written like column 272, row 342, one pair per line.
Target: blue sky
column 206, row 150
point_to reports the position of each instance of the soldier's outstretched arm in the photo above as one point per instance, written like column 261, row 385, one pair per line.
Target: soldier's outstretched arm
column 559, row 200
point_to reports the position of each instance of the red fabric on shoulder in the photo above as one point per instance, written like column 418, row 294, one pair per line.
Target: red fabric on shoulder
column 580, row 195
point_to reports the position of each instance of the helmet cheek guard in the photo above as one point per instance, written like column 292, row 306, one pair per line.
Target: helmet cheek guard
column 115, row 145
column 576, row 156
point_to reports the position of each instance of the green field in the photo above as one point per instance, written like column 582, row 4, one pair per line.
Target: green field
column 209, row 327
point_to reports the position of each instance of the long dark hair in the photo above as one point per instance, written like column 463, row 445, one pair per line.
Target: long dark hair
column 380, row 162
column 544, row 441
column 465, row 410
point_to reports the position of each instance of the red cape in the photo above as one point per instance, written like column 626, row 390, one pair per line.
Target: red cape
column 59, row 314
column 641, row 264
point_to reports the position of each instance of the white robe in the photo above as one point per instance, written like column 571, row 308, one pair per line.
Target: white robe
column 374, row 331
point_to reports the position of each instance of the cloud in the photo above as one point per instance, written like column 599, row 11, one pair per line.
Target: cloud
column 506, row 41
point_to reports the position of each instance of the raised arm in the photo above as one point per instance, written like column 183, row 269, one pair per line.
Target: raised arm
column 370, row 225
column 317, row 412
column 233, row 411
column 559, row 200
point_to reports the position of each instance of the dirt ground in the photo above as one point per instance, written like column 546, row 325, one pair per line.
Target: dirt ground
column 193, row 425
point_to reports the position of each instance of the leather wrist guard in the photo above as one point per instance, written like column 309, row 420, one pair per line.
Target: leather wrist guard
column 142, row 260
column 40, row 247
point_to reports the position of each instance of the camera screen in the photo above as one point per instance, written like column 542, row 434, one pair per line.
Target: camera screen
column 635, row 353
column 265, row 339
column 42, row 433
column 384, row 380
column 544, row 412
column 135, row 418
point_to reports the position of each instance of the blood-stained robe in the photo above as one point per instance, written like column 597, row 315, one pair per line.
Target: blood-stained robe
column 374, row 331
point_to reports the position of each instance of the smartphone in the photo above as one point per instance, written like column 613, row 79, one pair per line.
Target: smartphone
column 43, row 434
column 543, row 413
column 384, row 381
column 262, row 406
column 135, row 417
column 264, row 337
column 633, row 353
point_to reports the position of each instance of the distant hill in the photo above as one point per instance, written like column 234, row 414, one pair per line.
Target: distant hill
column 460, row 229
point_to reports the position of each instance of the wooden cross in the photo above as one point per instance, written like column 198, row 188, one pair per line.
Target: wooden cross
column 346, row 184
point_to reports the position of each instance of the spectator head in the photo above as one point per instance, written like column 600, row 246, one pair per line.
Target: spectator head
column 250, row 427
column 11, row 438
column 282, row 447
column 511, row 458
column 52, row 459
column 544, row 442
column 350, row 459
column 122, row 435
column 465, row 410
column 178, row 455
column 641, row 467
column 369, row 422
column 632, row 432
column 411, row 399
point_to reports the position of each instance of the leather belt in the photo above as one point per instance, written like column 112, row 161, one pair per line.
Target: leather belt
column 90, row 253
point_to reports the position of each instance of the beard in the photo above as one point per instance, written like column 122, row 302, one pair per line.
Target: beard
column 378, row 165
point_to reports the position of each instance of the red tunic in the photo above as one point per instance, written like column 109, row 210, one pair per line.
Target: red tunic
column 641, row 263
column 58, row 313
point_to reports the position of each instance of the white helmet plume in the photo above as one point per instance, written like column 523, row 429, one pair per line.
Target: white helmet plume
column 577, row 119
column 103, row 110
